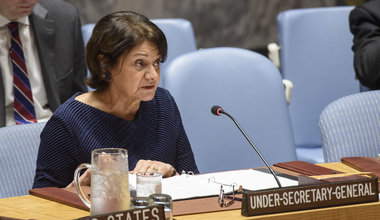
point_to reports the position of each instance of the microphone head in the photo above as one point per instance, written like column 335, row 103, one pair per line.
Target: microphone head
column 216, row 110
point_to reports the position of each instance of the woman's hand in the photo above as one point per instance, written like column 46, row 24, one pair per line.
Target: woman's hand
column 165, row 169
column 84, row 180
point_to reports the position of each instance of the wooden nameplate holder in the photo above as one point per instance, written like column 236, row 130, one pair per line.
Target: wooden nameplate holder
column 305, row 168
column 365, row 164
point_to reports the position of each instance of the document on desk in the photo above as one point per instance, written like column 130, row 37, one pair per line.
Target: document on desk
column 191, row 186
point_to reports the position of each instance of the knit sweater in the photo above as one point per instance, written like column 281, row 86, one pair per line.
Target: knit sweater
column 76, row 129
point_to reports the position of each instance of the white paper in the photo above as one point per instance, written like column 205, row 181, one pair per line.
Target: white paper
column 201, row 185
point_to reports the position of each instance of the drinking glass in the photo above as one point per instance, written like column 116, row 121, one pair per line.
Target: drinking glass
column 109, row 181
column 148, row 183
column 166, row 201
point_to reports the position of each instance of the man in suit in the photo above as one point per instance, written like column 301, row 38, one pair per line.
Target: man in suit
column 365, row 26
column 52, row 44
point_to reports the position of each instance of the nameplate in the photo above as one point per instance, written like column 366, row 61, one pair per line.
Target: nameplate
column 148, row 213
column 310, row 196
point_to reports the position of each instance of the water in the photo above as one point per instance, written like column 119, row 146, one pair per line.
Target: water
column 147, row 188
column 109, row 192
column 148, row 183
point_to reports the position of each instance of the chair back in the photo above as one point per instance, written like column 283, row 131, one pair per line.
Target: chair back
column 248, row 86
column 87, row 32
column 316, row 55
column 18, row 154
column 179, row 35
column 350, row 127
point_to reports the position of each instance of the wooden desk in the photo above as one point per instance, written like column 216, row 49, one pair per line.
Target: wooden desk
column 32, row 207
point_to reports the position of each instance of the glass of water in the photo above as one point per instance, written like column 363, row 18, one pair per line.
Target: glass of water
column 109, row 181
column 166, row 201
column 148, row 183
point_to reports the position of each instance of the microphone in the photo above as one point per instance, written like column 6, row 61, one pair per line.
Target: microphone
column 218, row 111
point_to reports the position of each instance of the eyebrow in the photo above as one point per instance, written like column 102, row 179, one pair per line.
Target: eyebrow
column 140, row 54
column 145, row 55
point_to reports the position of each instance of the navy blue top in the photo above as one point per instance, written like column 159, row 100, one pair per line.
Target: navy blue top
column 76, row 129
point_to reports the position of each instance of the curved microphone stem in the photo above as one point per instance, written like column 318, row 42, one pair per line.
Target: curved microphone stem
column 254, row 147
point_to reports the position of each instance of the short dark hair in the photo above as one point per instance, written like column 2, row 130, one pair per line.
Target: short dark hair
column 115, row 34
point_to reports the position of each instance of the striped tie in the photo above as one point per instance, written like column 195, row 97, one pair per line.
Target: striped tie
column 23, row 99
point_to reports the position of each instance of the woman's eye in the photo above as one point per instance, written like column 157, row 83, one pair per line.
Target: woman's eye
column 139, row 64
column 157, row 64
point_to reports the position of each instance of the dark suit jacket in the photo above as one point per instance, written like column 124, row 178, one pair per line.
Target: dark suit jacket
column 365, row 26
column 59, row 41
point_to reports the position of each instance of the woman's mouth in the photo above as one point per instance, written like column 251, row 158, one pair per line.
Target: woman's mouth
column 148, row 87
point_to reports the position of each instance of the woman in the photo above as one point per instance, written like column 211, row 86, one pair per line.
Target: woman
column 126, row 110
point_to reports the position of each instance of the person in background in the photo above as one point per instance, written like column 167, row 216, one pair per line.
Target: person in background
column 365, row 26
column 126, row 109
column 41, row 58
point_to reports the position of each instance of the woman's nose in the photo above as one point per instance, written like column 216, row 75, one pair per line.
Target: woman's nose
column 153, row 72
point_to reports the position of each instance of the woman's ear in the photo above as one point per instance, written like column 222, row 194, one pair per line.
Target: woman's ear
column 102, row 62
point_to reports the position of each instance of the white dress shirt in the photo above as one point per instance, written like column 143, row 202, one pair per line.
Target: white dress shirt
column 43, row 113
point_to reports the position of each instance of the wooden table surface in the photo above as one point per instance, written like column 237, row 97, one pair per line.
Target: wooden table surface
column 32, row 207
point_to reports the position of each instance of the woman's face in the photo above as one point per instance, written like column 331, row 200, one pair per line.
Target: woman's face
column 137, row 73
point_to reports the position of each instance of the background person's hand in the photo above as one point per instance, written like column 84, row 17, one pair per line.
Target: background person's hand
column 165, row 169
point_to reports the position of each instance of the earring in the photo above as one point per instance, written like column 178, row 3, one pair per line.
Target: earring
column 106, row 76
